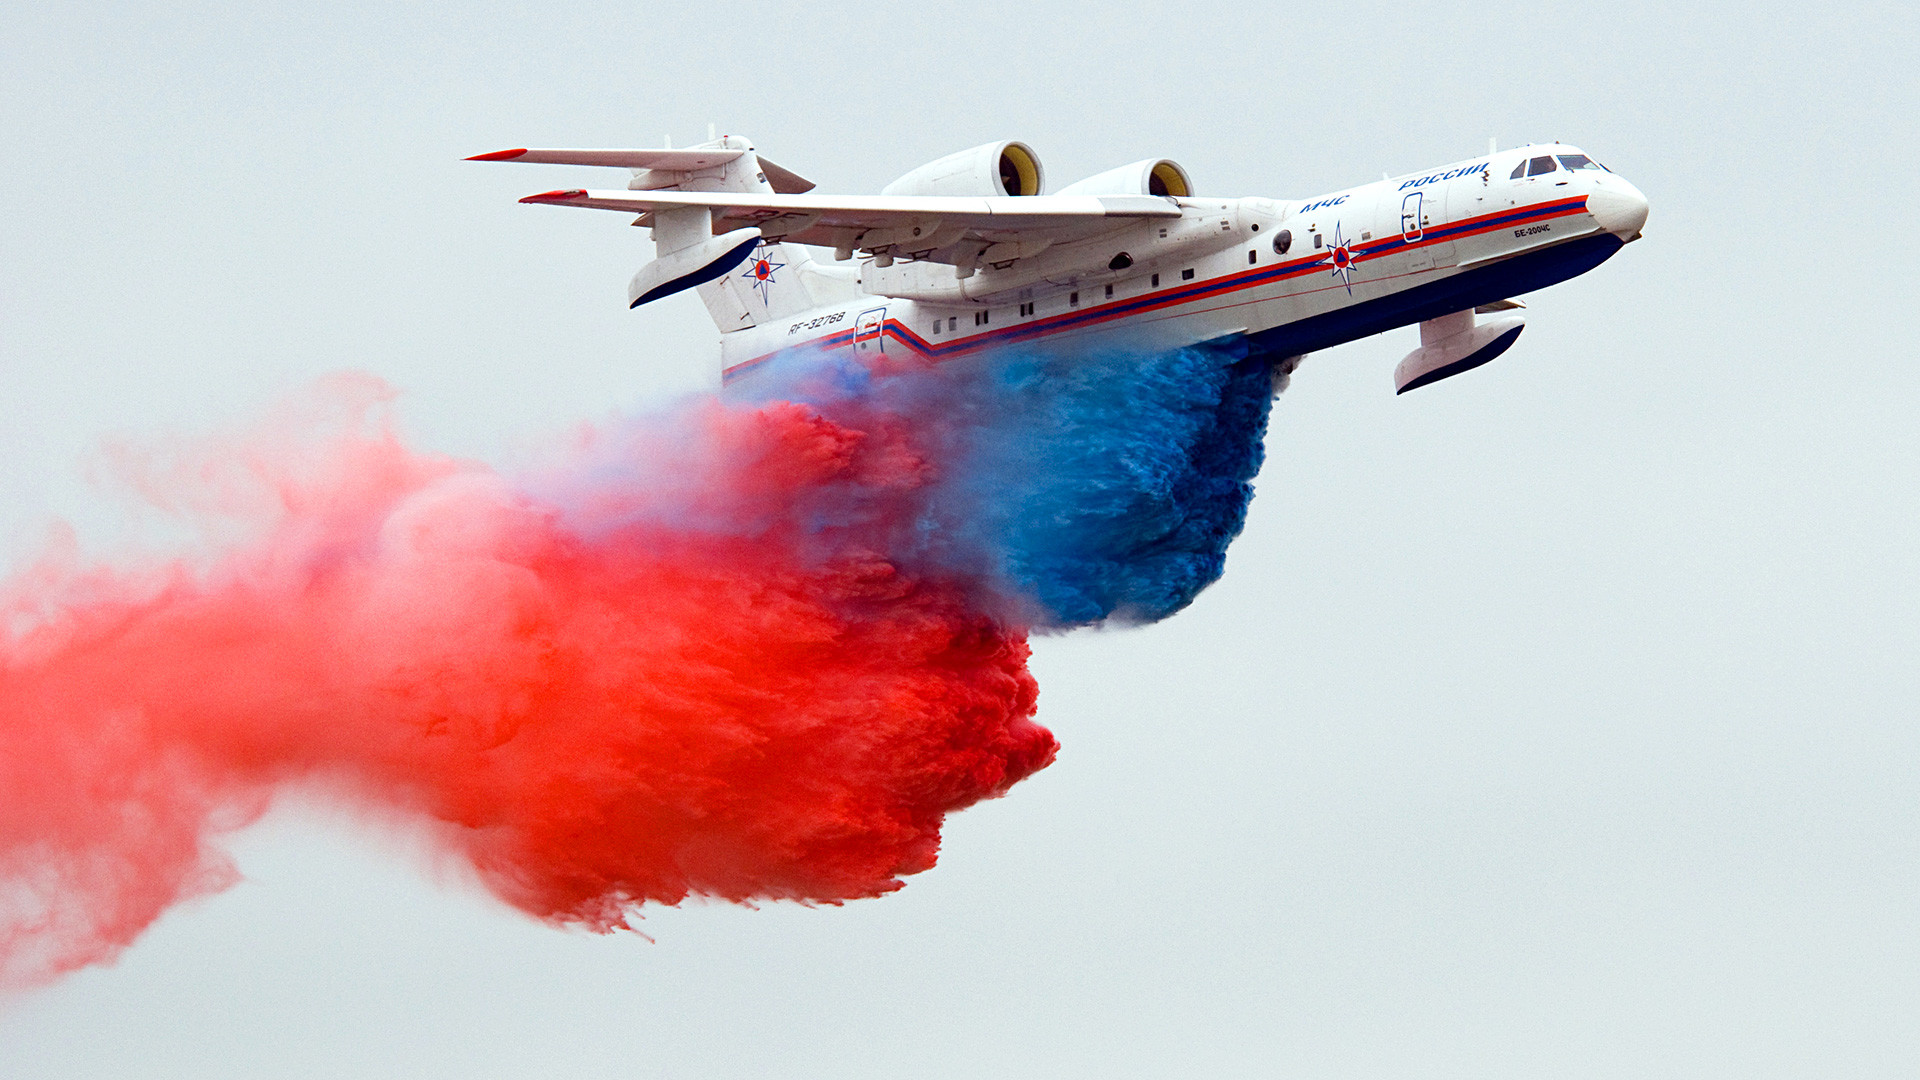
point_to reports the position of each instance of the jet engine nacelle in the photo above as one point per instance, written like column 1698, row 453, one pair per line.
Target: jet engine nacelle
column 1452, row 344
column 1154, row 176
column 693, row 265
column 1000, row 168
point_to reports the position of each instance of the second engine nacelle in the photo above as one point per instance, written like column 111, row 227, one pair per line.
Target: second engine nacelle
column 1154, row 176
column 1000, row 168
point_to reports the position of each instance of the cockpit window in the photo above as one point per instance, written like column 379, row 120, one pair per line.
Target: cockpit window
column 1540, row 166
column 1576, row 162
column 1519, row 170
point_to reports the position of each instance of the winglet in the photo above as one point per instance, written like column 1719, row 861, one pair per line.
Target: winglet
column 556, row 196
column 499, row 155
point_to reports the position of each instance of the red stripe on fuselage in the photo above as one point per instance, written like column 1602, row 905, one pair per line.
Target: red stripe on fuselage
column 1236, row 282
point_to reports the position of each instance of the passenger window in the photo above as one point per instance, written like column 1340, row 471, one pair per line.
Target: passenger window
column 1156, row 282
column 1575, row 162
column 953, row 323
column 936, row 326
column 1073, row 299
column 1540, row 166
column 1282, row 240
column 1186, row 275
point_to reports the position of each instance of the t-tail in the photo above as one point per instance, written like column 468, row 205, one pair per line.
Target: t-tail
column 746, row 276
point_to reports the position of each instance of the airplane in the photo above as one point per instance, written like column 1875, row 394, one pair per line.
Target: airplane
column 966, row 253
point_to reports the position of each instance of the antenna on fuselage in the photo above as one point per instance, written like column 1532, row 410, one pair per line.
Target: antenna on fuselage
column 1492, row 146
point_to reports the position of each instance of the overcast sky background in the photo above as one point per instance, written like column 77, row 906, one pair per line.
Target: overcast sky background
column 1557, row 720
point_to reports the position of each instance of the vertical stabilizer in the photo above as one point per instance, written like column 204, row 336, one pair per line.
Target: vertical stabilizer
column 769, row 284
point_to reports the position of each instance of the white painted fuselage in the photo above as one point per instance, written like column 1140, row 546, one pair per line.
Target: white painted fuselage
column 1292, row 276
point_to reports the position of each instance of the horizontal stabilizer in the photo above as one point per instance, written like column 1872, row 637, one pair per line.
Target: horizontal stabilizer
column 785, row 181
column 665, row 160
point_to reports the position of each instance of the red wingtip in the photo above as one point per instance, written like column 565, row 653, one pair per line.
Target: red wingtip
column 556, row 196
column 499, row 155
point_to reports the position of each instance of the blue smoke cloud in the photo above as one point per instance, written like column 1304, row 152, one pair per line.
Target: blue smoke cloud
column 1089, row 486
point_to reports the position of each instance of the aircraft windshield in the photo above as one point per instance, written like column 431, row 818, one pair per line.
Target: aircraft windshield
column 1578, row 161
column 1539, row 166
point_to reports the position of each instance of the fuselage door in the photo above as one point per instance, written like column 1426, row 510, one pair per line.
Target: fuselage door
column 869, row 331
column 1413, row 229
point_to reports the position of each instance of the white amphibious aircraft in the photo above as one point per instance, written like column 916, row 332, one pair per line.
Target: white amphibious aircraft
column 966, row 253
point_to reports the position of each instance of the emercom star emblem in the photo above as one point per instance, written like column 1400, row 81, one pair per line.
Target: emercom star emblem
column 1342, row 259
column 760, row 269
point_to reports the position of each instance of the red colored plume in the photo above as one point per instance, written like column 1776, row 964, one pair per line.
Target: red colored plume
column 659, row 684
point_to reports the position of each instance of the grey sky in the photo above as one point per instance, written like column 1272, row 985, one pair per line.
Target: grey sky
column 1558, row 720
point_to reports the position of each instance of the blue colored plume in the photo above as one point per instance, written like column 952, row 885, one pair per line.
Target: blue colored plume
column 1088, row 486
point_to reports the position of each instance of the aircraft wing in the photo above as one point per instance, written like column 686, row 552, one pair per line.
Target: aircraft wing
column 941, row 228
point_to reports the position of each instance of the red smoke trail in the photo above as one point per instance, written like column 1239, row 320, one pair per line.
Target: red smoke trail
column 670, row 679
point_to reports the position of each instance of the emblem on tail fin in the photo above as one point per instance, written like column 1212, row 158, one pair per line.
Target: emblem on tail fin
column 760, row 270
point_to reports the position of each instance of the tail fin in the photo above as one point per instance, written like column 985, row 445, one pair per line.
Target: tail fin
column 771, row 283
column 743, row 281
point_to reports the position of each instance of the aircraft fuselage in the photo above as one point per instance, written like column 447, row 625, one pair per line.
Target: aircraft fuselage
column 1292, row 276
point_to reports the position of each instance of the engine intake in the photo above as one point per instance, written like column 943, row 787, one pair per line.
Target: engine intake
column 1154, row 176
column 999, row 168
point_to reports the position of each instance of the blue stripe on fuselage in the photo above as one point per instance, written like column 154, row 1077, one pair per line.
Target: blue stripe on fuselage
column 1461, row 292
column 1410, row 299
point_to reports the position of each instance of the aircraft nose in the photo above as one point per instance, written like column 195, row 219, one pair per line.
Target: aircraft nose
column 1619, row 207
